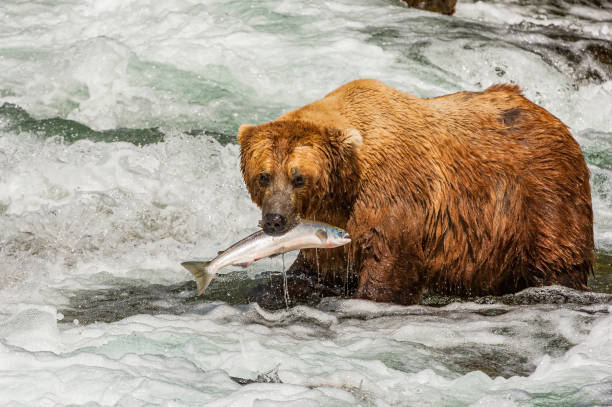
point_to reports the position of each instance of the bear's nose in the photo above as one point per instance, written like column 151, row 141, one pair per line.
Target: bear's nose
column 274, row 224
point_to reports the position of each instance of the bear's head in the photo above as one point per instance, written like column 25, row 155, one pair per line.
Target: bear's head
column 296, row 169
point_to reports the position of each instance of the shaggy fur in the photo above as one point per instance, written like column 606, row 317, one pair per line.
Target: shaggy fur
column 472, row 193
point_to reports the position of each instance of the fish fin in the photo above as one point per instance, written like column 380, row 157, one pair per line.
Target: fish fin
column 199, row 270
column 243, row 265
column 321, row 234
column 220, row 252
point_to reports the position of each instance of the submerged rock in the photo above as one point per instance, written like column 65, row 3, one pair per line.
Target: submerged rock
column 556, row 294
column 438, row 6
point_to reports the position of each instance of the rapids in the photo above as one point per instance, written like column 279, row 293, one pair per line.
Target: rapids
column 118, row 160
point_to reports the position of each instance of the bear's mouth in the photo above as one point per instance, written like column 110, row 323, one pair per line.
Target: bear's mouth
column 275, row 224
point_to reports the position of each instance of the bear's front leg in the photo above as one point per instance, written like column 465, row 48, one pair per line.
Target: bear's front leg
column 388, row 272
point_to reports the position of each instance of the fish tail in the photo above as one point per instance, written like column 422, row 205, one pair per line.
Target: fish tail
column 200, row 270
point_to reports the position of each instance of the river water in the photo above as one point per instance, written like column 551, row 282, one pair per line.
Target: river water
column 118, row 160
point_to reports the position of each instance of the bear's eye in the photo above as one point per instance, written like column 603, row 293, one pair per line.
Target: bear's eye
column 297, row 181
column 263, row 179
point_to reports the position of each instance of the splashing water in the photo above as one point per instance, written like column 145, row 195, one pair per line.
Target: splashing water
column 285, row 284
column 318, row 268
column 118, row 160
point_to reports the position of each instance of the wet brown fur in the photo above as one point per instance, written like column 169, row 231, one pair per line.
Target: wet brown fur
column 472, row 193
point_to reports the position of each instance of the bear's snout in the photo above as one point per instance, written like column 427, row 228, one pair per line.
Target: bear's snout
column 278, row 210
column 274, row 224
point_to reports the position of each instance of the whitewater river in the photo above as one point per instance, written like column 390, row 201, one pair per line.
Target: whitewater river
column 118, row 160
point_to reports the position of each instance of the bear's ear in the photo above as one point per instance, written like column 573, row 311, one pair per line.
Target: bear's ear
column 352, row 137
column 349, row 137
column 244, row 132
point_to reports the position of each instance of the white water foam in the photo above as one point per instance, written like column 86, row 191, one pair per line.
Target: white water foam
column 188, row 359
column 144, row 64
column 73, row 211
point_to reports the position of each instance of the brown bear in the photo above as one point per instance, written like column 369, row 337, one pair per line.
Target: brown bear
column 473, row 193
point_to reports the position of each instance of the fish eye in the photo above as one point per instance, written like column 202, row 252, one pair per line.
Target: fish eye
column 263, row 179
column 298, row 181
